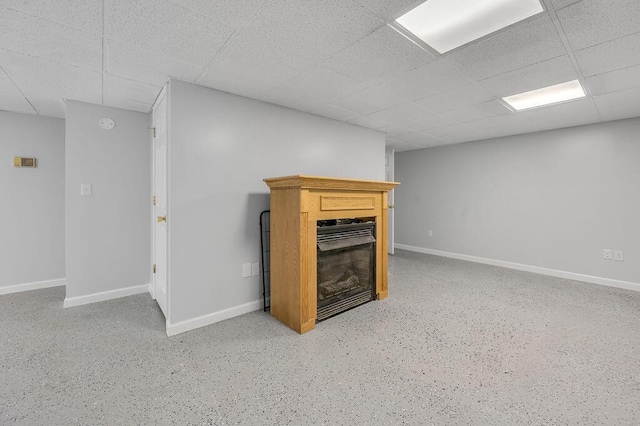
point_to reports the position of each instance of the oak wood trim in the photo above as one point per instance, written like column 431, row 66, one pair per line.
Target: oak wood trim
column 322, row 182
column 329, row 202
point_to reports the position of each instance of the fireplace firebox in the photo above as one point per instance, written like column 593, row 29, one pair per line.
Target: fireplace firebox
column 346, row 267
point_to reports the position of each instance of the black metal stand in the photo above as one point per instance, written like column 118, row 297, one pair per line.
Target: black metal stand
column 265, row 241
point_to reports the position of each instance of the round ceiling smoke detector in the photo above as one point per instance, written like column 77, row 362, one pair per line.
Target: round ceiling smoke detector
column 106, row 123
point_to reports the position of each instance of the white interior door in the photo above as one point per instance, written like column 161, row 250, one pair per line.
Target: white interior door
column 388, row 173
column 160, row 203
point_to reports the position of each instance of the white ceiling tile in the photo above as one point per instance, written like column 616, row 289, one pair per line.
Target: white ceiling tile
column 166, row 28
column 476, row 112
column 369, row 121
column 399, row 146
column 367, row 101
column 619, row 105
column 501, row 125
column 33, row 36
column 272, row 49
column 562, row 122
column 85, row 15
column 232, row 13
column 559, row 4
column 292, row 100
column 381, row 54
column 434, row 77
column 591, row 22
column 334, row 112
column 406, row 136
column 312, row 29
column 455, row 131
column 15, row 103
column 396, row 130
column 426, row 123
column 49, row 107
column 11, row 99
column 116, row 87
column 43, row 79
column 613, row 55
column 324, row 84
column 419, row 139
column 397, row 114
column 456, row 98
column 254, row 68
column 499, row 132
column 129, row 104
column 524, row 44
column 388, row 9
column 466, row 137
column 543, row 74
column 140, row 64
column 626, row 78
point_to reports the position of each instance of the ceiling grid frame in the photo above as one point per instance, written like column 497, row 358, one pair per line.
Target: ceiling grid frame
column 130, row 75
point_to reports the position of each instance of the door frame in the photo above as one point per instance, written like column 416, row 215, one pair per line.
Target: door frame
column 162, row 95
column 390, row 169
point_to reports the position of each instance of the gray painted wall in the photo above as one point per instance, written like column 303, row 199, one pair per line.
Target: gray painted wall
column 108, row 238
column 32, row 206
column 221, row 147
column 554, row 199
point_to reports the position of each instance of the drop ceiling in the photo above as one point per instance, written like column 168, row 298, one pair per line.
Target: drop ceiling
column 335, row 58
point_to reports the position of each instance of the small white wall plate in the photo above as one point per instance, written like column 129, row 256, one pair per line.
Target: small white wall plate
column 106, row 123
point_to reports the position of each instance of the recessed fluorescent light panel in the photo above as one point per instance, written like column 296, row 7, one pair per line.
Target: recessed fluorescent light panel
column 546, row 96
column 447, row 24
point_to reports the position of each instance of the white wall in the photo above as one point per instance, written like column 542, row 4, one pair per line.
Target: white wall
column 108, row 238
column 554, row 199
column 32, row 203
column 221, row 147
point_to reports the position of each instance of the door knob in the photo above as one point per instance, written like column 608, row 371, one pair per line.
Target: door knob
column 162, row 218
column 391, row 206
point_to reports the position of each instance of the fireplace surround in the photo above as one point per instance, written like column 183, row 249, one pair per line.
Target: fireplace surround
column 299, row 204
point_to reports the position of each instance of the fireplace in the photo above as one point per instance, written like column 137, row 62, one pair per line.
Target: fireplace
column 315, row 272
column 346, row 267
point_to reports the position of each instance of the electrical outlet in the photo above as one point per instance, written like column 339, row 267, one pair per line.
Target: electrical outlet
column 618, row 255
column 246, row 270
column 85, row 189
column 255, row 269
column 608, row 254
column 430, row 233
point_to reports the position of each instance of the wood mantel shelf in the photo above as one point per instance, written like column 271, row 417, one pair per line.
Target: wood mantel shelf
column 297, row 203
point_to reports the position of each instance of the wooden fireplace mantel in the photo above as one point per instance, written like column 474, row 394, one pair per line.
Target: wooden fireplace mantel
column 297, row 203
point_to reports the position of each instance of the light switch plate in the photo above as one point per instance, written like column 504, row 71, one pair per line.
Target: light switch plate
column 255, row 269
column 618, row 255
column 85, row 189
column 246, row 270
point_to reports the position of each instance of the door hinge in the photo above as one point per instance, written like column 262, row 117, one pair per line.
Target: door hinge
column 154, row 268
column 154, row 200
column 154, row 130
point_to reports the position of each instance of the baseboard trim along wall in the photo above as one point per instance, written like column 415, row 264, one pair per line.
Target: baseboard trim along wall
column 527, row 268
column 192, row 324
column 17, row 288
column 70, row 302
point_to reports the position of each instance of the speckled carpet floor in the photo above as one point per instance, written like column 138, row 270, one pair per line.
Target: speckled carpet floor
column 455, row 343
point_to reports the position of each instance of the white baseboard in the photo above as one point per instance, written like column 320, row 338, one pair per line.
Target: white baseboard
column 191, row 324
column 105, row 295
column 528, row 268
column 32, row 286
